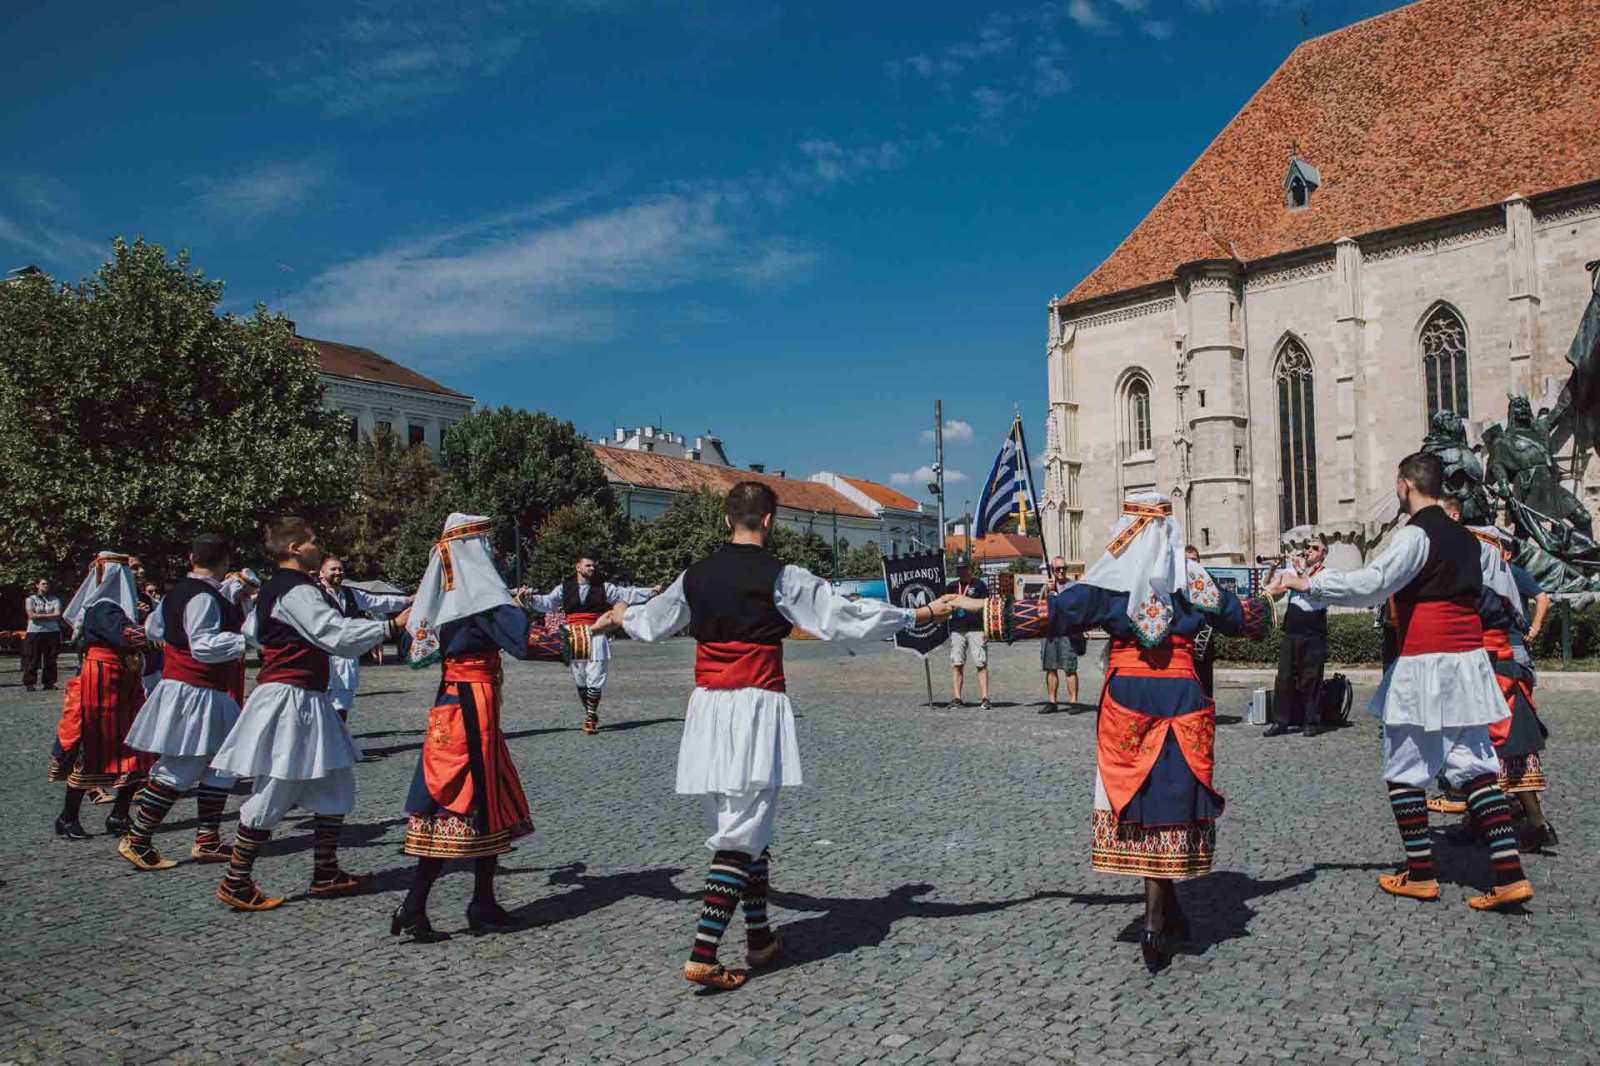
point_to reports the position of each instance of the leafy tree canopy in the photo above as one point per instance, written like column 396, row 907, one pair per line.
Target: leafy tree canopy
column 862, row 563
column 692, row 527
column 134, row 417
column 583, row 527
column 396, row 509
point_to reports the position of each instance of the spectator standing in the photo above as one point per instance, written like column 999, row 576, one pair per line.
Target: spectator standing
column 1302, row 653
column 43, row 641
column 1205, row 649
column 968, row 642
column 1059, row 654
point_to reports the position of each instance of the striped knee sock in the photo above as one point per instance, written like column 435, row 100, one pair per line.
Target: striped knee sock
column 730, row 871
column 246, row 842
column 155, row 800
column 1491, row 817
column 1410, row 806
column 755, row 900
column 325, row 837
column 209, row 801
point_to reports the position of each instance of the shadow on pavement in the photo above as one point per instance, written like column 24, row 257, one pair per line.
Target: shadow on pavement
column 593, row 893
column 637, row 723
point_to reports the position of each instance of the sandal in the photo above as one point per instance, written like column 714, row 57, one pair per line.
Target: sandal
column 1440, row 805
column 714, row 975
column 210, row 851
column 339, row 884
column 251, row 898
column 145, row 858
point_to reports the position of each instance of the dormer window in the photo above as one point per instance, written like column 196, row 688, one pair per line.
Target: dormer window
column 1301, row 181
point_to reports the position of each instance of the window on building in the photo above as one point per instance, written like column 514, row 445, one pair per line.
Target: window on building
column 1297, row 436
column 416, row 435
column 1202, row 394
column 1444, row 362
column 1136, row 417
column 381, row 427
column 354, row 427
column 1075, row 536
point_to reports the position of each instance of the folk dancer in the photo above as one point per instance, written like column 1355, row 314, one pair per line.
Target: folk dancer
column 739, row 744
column 100, row 703
column 1537, row 832
column 1440, row 698
column 352, row 603
column 289, row 740
column 1155, row 804
column 191, row 709
column 583, row 600
column 466, row 800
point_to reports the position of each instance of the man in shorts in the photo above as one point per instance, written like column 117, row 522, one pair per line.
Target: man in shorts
column 1059, row 655
column 967, row 639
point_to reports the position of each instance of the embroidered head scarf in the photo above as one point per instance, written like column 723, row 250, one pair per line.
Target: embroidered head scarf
column 1495, row 554
column 460, row 581
column 1145, row 559
column 108, row 579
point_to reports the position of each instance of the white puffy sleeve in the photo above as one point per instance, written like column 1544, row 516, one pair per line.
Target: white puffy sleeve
column 155, row 626
column 208, row 641
column 549, row 603
column 379, row 603
column 313, row 617
column 1378, row 580
column 659, row 617
column 628, row 594
column 812, row 604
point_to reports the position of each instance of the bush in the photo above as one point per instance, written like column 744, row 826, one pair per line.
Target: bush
column 1352, row 638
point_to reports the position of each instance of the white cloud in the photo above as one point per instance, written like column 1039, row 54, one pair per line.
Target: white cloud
column 1133, row 5
column 1048, row 77
column 991, row 102
column 995, row 38
column 955, row 431
column 830, row 163
column 270, row 189
column 56, row 247
column 1087, row 16
column 924, row 475
column 1160, row 29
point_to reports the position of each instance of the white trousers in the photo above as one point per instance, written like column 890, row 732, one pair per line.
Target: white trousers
column 740, row 822
column 1414, row 756
column 183, row 772
column 274, row 796
column 590, row 673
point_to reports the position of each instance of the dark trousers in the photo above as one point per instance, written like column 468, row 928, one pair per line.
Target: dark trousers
column 1297, row 694
column 1204, row 672
column 40, row 650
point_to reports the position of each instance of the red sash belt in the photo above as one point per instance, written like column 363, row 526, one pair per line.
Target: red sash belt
column 1175, row 658
column 1130, row 742
column 1430, row 626
column 1498, row 644
column 180, row 665
column 737, row 664
column 582, row 618
column 301, row 665
column 474, row 669
column 99, row 654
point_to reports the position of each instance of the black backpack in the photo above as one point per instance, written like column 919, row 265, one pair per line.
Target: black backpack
column 1337, row 696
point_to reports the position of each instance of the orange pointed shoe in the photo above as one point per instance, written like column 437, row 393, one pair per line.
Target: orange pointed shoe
column 1502, row 896
column 143, row 858
column 250, row 898
column 714, row 975
column 210, row 851
column 1400, row 884
column 1440, row 805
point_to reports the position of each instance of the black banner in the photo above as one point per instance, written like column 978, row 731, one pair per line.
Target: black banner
column 916, row 581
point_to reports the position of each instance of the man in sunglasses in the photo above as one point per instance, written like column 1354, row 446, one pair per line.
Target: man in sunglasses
column 1059, row 655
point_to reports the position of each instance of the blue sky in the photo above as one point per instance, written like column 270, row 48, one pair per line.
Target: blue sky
column 796, row 225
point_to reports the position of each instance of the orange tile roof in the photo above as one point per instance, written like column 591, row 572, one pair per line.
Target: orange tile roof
column 364, row 364
column 649, row 470
column 997, row 546
column 1434, row 109
column 882, row 494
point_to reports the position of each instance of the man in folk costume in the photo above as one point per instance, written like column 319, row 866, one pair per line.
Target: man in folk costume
column 100, row 703
column 352, row 603
column 192, row 709
column 466, row 801
column 583, row 599
column 739, row 743
column 1440, row 698
column 1155, row 806
column 289, row 739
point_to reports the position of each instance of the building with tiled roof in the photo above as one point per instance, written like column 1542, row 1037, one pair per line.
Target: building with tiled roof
column 376, row 391
column 996, row 553
column 1395, row 224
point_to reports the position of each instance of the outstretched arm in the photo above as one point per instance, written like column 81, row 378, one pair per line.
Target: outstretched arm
column 813, row 604
column 1371, row 584
column 656, row 619
column 308, row 611
column 379, row 603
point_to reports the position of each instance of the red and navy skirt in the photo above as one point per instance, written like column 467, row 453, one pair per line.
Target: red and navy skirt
column 466, row 800
column 1519, row 739
column 1156, row 808
column 97, row 710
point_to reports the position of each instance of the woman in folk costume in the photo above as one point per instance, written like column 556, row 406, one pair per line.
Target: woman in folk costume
column 101, row 702
column 466, row 800
column 1155, row 806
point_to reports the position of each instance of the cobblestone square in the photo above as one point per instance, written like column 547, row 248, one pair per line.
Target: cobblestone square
column 931, row 878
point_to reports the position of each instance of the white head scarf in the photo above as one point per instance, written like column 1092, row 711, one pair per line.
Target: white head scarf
column 1494, row 548
column 1145, row 559
column 108, row 579
column 460, row 581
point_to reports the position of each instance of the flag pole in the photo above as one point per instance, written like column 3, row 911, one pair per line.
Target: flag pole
column 927, row 675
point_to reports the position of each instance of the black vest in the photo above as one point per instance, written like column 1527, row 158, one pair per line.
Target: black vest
column 176, row 602
column 1453, row 570
column 286, row 656
column 730, row 597
column 591, row 602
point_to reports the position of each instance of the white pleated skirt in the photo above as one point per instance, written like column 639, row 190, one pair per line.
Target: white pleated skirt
column 289, row 733
column 1440, row 690
column 183, row 719
column 344, row 677
column 737, row 741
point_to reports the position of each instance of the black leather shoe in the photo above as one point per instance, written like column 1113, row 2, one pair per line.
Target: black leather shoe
column 1312, row 730
column 489, row 918
column 117, row 827
column 71, row 829
column 1537, row 837
column 416, row 926
column 1154, row 948
column 1276, row 729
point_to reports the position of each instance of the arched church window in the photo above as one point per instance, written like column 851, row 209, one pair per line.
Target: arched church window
column 1136, row 417
column 1297, row 435
column 1444, row 362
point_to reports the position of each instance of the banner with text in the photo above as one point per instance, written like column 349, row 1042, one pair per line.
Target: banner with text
column 916, row 581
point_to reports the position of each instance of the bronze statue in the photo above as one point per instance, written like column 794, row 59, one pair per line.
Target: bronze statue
column 1523, row 471
column 1463, row 474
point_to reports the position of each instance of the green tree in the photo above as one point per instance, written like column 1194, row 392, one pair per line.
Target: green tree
column 398, row 499
column 583, row 527
column 690, row 529
column 862, row 563
column 808, row 550
column 134, row 417
column 519, row 468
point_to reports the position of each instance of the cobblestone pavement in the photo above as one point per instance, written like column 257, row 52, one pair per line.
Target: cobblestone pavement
column 932, row 878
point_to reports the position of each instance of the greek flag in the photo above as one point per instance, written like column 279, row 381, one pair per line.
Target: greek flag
column 1009, row 491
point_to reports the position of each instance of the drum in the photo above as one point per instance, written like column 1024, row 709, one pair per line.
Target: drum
column 1013, row 620
column 564, row 644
